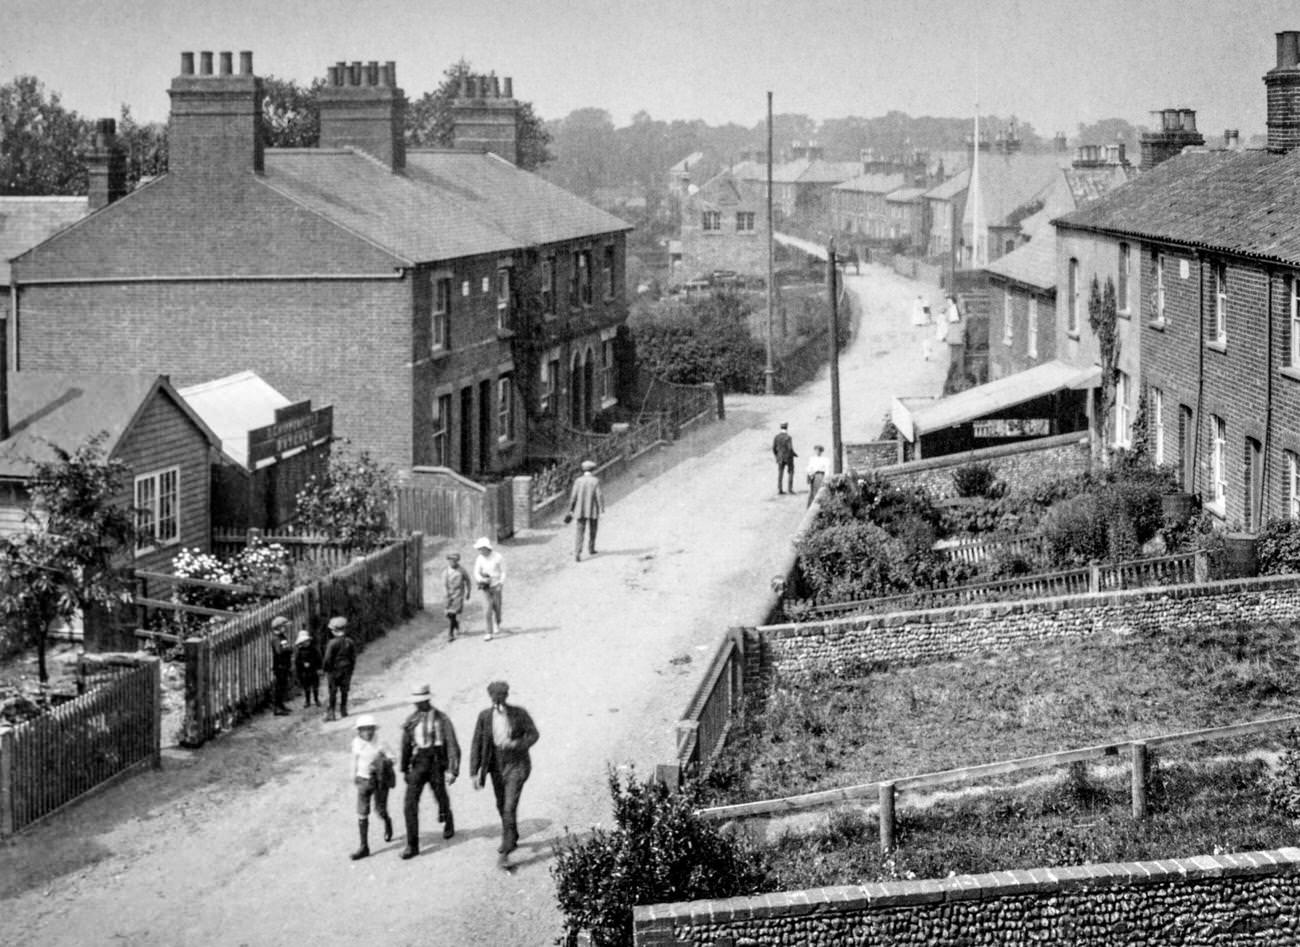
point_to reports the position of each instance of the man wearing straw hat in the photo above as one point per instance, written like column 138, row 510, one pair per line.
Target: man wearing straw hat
column 340, row 659
column 586, row 502
column 429, row 754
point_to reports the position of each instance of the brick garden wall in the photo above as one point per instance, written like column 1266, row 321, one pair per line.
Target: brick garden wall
column 946, row 633
column 1207, row 900
column 1022, row 466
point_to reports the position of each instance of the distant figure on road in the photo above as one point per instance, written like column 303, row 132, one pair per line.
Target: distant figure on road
column 951, row 311
column 281, row 662
column 819, row 468
column 306, row 664
column 340, row 659
column 586, row 502
column 455, row 581
column 783, row 451
column 372, row 771
column 920, row 312
column 430, row 754
column 490, row 577
column 503, row 735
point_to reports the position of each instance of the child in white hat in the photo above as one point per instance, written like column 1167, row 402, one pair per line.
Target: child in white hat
column 372, row 771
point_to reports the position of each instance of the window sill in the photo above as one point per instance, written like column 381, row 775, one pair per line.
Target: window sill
column 1157, row 324
column 1072, row 335
column 1290, row 371
column 1217, row 346
column 505, row 333
column 1217, row 509
column 437, row 355
column 1125, row 313
column 505, row 443
column 606, row 403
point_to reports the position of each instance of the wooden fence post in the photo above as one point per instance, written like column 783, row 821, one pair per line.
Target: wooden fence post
column 6, row 781
column 1094, row 576
column 195, row 725
column 1139, row 780
column 1201, row 567
column 886, row 817
column 157, row 711
column 717, row 393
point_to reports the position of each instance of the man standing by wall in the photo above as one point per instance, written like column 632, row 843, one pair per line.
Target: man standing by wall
column 586, row 502
column 429, row 754
column 503, row 735
column 490, row 577
column 783, row 451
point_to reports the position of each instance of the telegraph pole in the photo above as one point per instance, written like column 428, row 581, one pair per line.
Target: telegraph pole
column 837, row 465
column 769, row 385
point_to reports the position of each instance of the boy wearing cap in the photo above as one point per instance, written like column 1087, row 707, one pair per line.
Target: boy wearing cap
column 455, row 581
column 306, row 663
column 281, row 662
column 340, row 659
column 503, row 735
column 586, row 502
column 490, row 577
column 372, row 770
column 430, row 754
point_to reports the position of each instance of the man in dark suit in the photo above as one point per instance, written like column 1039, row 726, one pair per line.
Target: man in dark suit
column 783, row 451
column 586, row 502
column 430, row 754
column 503, row 735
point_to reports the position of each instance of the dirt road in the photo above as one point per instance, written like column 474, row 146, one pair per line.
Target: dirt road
column 245, row 841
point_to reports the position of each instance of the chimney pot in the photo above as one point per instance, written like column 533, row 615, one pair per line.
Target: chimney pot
column 333, row 75
column 205, row 63
column 1188, row 120
column 391, row 66
column 1288, row 49
column 227, row 63
column 372, row 73
column 509, row 87
column 187, row 64
column 354, row 73
column 246, row 62
column 496, row 88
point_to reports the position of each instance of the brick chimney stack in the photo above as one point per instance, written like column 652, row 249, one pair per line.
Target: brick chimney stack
column 1283, row 91
column 216, row 118
column 485, row 116
column 1177, row 131
column 105, row 165
column 361, row 107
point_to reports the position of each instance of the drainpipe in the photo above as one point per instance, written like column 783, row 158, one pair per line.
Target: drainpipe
column 1200, row 373
column 1257, row 518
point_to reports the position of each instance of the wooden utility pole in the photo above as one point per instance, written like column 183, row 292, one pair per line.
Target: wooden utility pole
column 769, row 373
column 837, row 464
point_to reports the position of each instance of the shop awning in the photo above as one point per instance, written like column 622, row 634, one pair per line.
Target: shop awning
column 983, row 400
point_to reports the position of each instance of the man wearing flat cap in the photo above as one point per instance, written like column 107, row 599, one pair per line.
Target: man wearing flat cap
column 430, row 754
column 281, row 662
column 503, row 735
column 586, row 502
column 340, row 659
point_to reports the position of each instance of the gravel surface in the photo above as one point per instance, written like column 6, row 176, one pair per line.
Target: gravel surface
column 245, row 841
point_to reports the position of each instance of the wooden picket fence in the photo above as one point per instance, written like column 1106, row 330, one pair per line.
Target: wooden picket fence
column 51, row 761
column 299, row 544
column 228, row 672
column 437, row 501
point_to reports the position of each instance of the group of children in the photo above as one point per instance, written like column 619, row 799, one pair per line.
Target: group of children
column 921, row 316
column 489, row 577
column 304, row 661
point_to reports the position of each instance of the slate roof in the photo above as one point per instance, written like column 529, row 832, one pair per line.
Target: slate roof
column 1240, row 201
column 1033, row 263
column 873, row 183
column 905, row 194
column 814, row 171
column 27, row 221
column 950, row 188
column 1009, row 182
column 67, row 409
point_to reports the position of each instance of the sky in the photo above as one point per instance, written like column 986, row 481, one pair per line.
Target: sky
column 1053, row 63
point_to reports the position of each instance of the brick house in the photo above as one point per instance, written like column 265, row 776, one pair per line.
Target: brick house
column 1022, row 307
column 1216, row 301
column 1011, row 187
column 444, row 302
column 905, row 211
column 858, row 205
column 165, row 445
column 724, row 227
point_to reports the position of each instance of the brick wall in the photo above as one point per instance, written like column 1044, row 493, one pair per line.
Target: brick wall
column 945, row 633
column 1021, row 466
column 1206, row 900
column 870, row 455
column 1007, row 358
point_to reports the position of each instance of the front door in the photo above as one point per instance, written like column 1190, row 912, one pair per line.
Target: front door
column 465, row 421
column 484, row 426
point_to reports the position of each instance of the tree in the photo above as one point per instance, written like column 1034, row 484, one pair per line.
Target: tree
column 429, row 121
column 350, row 503
column 68, row 561
column 1102, row 319
column 146, row 147
column 291, row 113
column 40, row 141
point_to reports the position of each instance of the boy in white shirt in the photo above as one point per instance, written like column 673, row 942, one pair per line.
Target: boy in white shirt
column 372, row 771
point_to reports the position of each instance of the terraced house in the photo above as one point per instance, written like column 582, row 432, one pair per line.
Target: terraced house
column 443, row 300
column 1212, row 248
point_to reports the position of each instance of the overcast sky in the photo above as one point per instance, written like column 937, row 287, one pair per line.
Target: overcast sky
column 1050, row 62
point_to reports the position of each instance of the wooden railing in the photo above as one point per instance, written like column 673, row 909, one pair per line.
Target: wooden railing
column 299, row 544
column 975, row 551
column 601, row 449
column 228, row 672
column 703, row 729
column 52, row 760
column 885, row 792
column 1099, row 577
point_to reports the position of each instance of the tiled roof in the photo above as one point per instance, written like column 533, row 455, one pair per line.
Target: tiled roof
column 874, row 183
column 26, row 221
column 1033, row 263
column 814, row 171
column 1009, row 182
column 950, row 188
column 448, row 203
column 1240, row 201
column 905, row 194
column 67, row 409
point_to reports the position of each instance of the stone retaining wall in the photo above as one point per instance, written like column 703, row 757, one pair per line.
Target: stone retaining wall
column 1207, row 900
column 946, row 633
column 1023, row 465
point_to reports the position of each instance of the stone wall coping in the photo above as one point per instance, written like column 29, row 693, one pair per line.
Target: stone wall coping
column 982, row 454
column 988, row 610
column 855, row 898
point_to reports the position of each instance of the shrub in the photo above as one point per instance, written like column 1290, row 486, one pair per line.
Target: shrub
column 848, row 561
column 707, row 340
column 658, row 850
column 974, row 480
column 349, row 504
column 1284, row 780
column 1279, row 547
column 1074, row 531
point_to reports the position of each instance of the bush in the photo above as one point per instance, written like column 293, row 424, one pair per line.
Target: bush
column 975, row 480
column 848, row 561
column 1279, row 547
column 1284, row 780
column 658, row 850
column 707, row 340
column 1074, row 531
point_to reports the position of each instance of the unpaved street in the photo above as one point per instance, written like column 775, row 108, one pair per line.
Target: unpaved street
column 245, row 841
